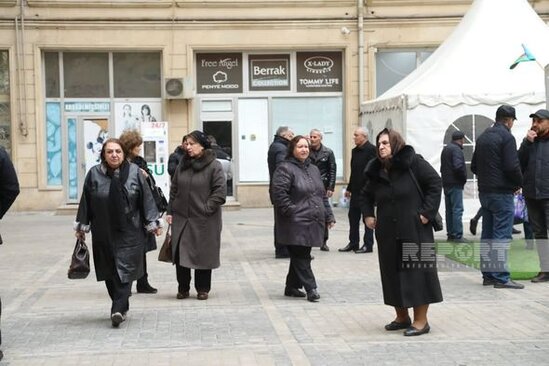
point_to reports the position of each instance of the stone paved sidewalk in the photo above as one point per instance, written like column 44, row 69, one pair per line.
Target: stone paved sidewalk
column 50, row 320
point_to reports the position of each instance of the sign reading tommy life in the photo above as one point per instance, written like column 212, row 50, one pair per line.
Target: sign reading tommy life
column 219, row 73
column 269, row 72
column 319, row 72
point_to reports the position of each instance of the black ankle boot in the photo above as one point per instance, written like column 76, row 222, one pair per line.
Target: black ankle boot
column 145, row 288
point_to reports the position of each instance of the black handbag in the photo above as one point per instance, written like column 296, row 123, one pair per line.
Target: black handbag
column 437, row 222
column 80, row 262
column 158, row 196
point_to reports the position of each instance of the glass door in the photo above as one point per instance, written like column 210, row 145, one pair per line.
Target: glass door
column 220, row 134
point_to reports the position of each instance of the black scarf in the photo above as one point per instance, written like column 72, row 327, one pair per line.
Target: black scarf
column 119, row 207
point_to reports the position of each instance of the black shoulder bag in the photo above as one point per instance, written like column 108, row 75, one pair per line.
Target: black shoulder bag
column 437, row 222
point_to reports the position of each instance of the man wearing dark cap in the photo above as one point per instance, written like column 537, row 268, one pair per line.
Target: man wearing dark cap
column 534, row 161
column 496, row 164
column 454, row 177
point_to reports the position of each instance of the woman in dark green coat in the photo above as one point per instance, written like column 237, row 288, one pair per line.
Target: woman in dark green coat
column 197, row 192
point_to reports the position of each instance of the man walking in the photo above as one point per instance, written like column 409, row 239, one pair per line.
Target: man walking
column 276, row 154
column 496, row 164
column 9, row 189
column 454, row 177
column 324, row 158
column 361, row 154
column 534, row 161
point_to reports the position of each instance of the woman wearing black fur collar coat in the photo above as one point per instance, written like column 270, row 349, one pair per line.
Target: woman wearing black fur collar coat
column 197, row 192
column 403, row 229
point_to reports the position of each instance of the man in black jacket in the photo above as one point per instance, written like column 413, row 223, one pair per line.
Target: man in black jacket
column 276, row 154
column 534, row 161
column 9, row 189
column 176, row 156
column 496, row 164
column 454, row 177
column 324, row 158
column 363, row 152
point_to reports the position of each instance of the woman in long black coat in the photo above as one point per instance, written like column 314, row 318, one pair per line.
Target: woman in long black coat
column 118, row 207
column 302, row 213
column 403, row 229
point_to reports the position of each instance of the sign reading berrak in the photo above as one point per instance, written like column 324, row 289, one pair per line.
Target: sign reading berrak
column 319, row 72
column 218, row 73
column 269, row 72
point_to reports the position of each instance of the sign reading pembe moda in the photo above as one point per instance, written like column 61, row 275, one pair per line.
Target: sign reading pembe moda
column 218, row 73
column 269, row 72
column 319, row 72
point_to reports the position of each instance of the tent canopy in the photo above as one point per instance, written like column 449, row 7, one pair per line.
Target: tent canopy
column 472, row 66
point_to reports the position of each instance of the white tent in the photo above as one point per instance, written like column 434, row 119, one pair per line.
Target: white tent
column 463, row 82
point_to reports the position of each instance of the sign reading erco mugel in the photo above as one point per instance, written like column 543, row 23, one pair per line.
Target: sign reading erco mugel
column 269, row 72
column 219, row 73
column 319, row 72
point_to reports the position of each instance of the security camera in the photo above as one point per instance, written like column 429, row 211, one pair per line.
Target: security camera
column 345, row 30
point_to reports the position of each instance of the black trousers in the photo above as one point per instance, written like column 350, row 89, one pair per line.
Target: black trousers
column 355, row 217
column 119, row 293
column 202, row 279
column 145, row 278
column 300, row 273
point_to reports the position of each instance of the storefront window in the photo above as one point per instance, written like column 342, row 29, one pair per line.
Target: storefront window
column 394, row 65
column 137, row 75
column 304, row 114
column 51, row 61
column 5, row 114
column 86, row 75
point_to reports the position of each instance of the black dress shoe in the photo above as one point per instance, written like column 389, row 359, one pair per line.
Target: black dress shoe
column 489, row 282
column 398, row 325
column 541, row 277
column 146, row 289
column 364, row 249
column 117, row 318
column 473, row 226
column 182, row 295
column 293, row 292
column 312, row 295
column 413, row 331
column 350, row 247
column 515, row 231
column 325, row 247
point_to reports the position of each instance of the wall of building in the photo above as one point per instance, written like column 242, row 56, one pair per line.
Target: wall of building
column 178, row 29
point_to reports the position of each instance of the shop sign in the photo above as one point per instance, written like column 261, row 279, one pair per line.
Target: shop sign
column 218, row 73
column 87, row 107
column 319, row 72
column 269, row 72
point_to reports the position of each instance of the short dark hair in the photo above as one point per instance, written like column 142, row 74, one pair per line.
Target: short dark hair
column 112, row 140
column 293, row 143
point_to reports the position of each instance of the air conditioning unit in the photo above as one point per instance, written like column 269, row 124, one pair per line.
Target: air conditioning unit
column 178, row 88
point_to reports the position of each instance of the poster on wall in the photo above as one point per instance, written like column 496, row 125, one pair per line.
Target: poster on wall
column 319, row 72
column 129, row 115
column 269, row 72
column 218, row 73
column 155, row 152
column 96, row 132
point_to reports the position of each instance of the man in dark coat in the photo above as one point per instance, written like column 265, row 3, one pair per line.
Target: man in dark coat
column 454, row 177
column 534, row 161
column 496, row 164
column 276, row 154
column 9, row 189
column 175, row 157
column 363, row 152
column 324, row 158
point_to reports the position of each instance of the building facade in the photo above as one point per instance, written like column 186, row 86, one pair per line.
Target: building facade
column 74, row 72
